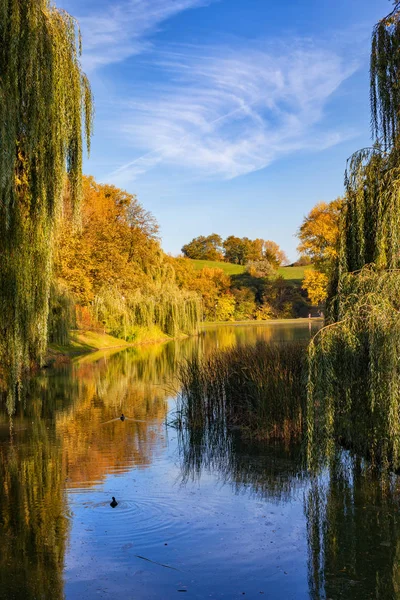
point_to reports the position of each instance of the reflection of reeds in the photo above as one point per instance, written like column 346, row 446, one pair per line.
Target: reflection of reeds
column 260, row 389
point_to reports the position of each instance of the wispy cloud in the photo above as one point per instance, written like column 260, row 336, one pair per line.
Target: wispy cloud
column 122, row 29
column 227, row 111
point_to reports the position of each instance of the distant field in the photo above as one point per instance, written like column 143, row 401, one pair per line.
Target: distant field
column 294, row 274
column 228, row 268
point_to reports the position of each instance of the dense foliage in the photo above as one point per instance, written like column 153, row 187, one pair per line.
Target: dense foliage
column 319, row 241
column 234, row 250
column 204, row 247
column 354, row 386
column 45, row 103
column 114, row 266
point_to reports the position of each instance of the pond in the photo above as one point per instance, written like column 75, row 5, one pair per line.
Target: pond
column 243, row 521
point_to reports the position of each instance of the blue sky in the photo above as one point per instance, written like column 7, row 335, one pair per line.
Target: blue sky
column 227, row 116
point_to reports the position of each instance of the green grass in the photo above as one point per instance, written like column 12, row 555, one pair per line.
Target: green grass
column 293, row 274
column 83, row 342
column 228, row 268
column 87, row 341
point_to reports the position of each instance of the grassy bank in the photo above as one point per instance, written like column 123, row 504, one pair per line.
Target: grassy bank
column 84, row 342
column 259, row 389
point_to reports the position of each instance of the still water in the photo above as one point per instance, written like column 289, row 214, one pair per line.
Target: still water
column 243, row 521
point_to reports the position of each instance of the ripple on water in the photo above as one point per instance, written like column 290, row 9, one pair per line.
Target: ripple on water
column 147, row 521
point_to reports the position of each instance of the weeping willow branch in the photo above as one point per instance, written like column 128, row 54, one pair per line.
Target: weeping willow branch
column 384, row 77
column 354, row 370
column 45, row 110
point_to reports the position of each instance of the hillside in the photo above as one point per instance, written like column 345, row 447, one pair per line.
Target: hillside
column 293, row 274
column 227, row 268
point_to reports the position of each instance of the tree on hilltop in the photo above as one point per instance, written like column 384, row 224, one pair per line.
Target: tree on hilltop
column 204, row 248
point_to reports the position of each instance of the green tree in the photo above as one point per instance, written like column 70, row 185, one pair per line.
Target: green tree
column 245, row 303
column 204, row 248
column 354, row 363
column 236, row 250
column 45, row 102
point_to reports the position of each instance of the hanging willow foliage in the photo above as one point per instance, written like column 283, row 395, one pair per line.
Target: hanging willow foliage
column 385, row 74
column 354, row 371
column 354, row 374
column 45, row 102
column 173, row 310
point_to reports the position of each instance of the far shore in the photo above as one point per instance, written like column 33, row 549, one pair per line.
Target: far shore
column 262, row 323
column 88, row 342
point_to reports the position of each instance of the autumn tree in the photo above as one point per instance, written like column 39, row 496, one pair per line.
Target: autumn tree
column 274, row 254
column 319, row 234
column 316, row 284
column 260, row 268
column 116, row 269
column 212, row 285
column 204, row 248
column 45, row 105
column 319, row 240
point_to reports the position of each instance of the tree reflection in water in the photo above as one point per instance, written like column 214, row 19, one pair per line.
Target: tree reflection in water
column 55, row 439
column 353, row 528
column 352, row 512
column 33, row 513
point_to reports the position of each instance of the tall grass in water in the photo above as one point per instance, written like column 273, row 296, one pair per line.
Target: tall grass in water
column 260, row 389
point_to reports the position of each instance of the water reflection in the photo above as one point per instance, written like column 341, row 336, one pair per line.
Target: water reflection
column 227, row 335
column 33, row 512
column 248, row 518
column 353, row 532
column 272, row 471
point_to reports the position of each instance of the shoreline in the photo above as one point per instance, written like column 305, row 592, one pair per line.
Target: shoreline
column 255, row 323
column 84, row 342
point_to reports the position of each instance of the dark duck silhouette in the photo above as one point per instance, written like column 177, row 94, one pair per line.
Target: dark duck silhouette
column 123, row 418
column 114, row 503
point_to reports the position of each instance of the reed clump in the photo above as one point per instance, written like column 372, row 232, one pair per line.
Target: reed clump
column 260, row 389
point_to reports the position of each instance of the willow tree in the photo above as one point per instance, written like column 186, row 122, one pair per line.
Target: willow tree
column 354, row 378
column 45, row 112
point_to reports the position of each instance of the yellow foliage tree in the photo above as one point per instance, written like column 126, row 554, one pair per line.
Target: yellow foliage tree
column 319, row 234
column 316, row 285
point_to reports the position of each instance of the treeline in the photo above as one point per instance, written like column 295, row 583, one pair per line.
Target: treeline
column 111, row 273
column 240, row 251
column 250, row 295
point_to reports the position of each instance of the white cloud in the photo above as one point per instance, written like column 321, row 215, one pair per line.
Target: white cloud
column 121, row 30
column 226, row 112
